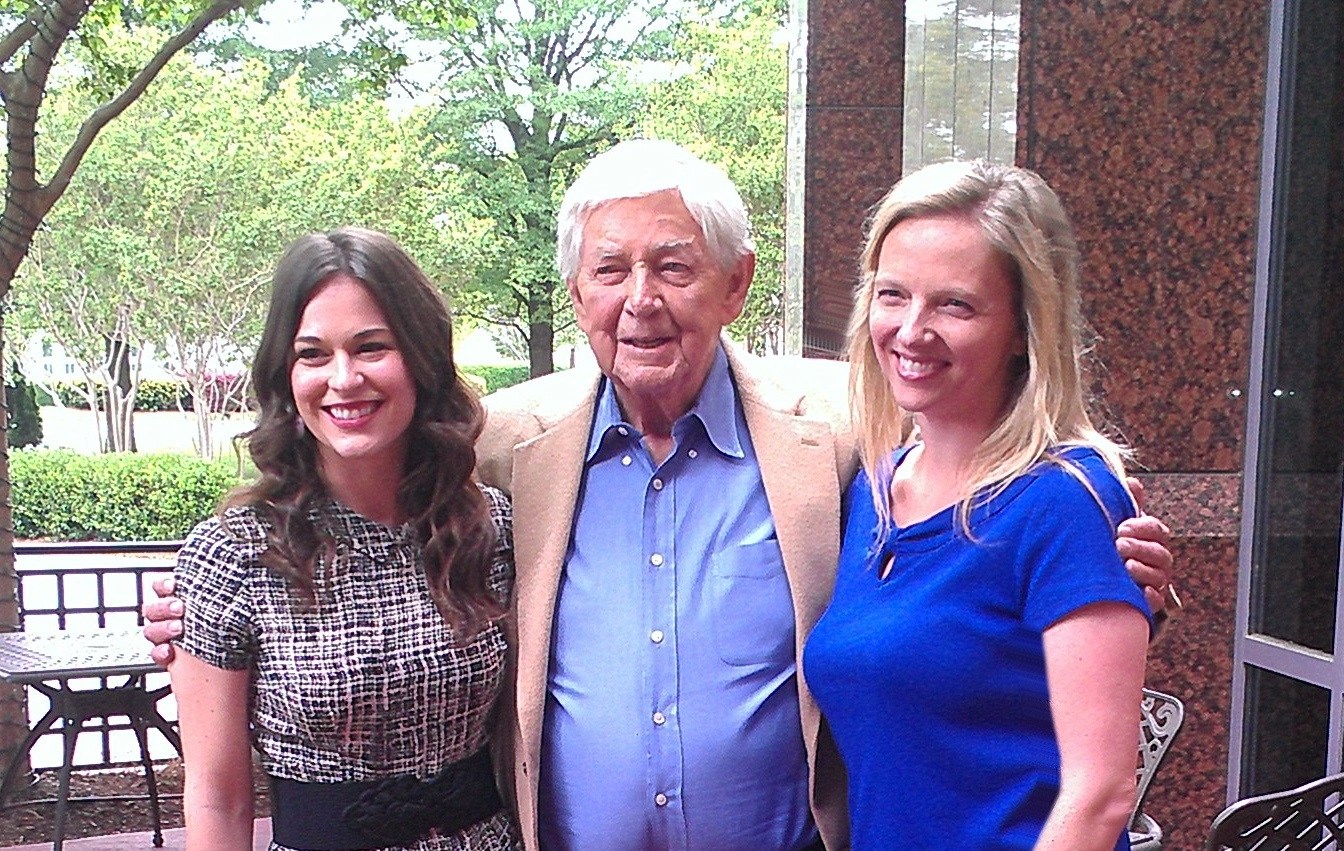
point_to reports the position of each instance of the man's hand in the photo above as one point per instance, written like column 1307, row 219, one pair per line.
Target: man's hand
column 163, row 620
column 1143, row 543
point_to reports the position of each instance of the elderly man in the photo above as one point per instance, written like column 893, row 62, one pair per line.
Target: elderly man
column 676, row 528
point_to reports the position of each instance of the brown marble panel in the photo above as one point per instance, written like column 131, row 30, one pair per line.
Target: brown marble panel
column 1195, row 505
column 855, row 53
column 853, row 157
column 1193, row 660
column 1146, row 118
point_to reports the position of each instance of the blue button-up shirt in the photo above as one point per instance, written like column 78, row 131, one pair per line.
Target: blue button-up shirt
column 672, row 703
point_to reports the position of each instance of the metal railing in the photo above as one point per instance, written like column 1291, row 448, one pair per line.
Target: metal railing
column 88, row 586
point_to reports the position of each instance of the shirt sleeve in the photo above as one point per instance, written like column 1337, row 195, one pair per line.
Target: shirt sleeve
column 501, row 566
column 211, row 572
column 1069, row 554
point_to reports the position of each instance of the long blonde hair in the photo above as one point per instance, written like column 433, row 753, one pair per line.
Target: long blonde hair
column 1023, row 219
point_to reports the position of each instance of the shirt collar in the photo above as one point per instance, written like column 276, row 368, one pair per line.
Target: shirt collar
column 716, row 408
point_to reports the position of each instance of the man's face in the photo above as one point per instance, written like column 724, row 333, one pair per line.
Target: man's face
column 652, row 300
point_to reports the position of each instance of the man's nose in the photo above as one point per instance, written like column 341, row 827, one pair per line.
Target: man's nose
column 645, row 288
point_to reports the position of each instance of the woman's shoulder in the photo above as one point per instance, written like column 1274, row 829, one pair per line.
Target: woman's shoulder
column 237, row 532
column 1077, row 475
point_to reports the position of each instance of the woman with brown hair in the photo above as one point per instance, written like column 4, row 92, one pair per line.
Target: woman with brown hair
column 372, row 717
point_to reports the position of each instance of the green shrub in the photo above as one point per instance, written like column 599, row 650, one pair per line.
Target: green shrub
column 63, row 495
column 25, row 421
column 71, row 395
column 156, row 394
column 498, row 377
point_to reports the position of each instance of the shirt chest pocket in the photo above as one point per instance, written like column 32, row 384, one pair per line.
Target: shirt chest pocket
column 753, row 612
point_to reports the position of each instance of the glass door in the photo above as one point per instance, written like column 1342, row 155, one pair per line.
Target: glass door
column 1288, row 681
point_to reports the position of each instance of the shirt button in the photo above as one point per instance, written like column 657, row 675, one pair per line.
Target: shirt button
column 622, row 431
column 656, row 636
column 656, row 559
column 625, row 461
column 659, row 718
column 660, row 799
column 657, row 484
column 692, row 453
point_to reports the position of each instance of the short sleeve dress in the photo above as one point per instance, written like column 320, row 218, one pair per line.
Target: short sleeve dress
column 368, row 683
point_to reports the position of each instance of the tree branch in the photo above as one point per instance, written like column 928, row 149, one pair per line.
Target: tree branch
column 91, row 127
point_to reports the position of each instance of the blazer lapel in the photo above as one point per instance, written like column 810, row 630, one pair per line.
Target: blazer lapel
column 546, row 473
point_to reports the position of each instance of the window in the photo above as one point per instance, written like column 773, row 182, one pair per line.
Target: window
column 1288, row 685
column 960, row 80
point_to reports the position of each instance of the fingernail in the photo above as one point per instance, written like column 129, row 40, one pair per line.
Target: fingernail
column 175, row 608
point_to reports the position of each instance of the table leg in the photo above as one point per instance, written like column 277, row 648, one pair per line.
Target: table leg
column 142, row 736
column 72, row 722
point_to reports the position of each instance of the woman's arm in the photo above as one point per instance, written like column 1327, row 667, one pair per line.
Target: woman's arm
column 217, row 753
column 1094, row 659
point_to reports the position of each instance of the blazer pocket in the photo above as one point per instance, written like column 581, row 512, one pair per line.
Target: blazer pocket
column 753, row 610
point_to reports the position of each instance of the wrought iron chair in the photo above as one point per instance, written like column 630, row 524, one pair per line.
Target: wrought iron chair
column 1308, row 818
column 1159, row 723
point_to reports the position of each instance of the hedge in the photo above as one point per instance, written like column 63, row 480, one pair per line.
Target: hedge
column 498, row 377
column 158, row 394
column 65, row 496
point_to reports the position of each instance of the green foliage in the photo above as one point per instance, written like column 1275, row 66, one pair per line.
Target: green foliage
column 498, row 377
column 66, row 496
column 152, row 394
column 25, row 421
column 729, row 108
column 156, row 394
column 529, row 93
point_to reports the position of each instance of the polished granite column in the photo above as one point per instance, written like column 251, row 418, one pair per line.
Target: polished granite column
column 1146, row 118
column 848, row 98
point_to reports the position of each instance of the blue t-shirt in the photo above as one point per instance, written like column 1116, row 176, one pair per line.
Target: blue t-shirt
column 932, row 679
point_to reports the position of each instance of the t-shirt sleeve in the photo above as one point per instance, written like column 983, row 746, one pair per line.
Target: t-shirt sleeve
column 212, row 567
column 1069, row 550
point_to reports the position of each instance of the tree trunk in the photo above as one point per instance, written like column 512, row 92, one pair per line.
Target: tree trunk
column 541, row 348
column 120, row 421
column 13, row 699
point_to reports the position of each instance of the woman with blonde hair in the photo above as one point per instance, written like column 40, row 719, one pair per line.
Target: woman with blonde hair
column 981, row 662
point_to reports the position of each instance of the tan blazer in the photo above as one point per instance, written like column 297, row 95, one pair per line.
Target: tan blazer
column 533, row 447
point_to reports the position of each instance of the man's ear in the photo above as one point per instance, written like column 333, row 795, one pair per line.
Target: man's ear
column 739, row 284
column 580, row 310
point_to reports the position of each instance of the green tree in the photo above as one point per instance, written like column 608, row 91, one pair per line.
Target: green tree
column 25, row 420
column 31, row 43
column 727, row 104
column 527, row 94
column 182, row 253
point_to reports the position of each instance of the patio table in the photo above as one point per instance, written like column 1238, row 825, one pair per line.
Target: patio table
column 49, row 662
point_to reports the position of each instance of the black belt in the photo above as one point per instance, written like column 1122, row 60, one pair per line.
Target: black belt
column 376, row 813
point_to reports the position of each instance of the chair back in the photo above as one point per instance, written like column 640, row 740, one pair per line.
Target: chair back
column 1159, row 722
column 1308, row 818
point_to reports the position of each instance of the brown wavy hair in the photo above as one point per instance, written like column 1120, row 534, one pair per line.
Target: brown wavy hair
column 437, row 492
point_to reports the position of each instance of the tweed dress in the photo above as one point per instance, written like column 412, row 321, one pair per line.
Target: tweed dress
column 370, row 682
